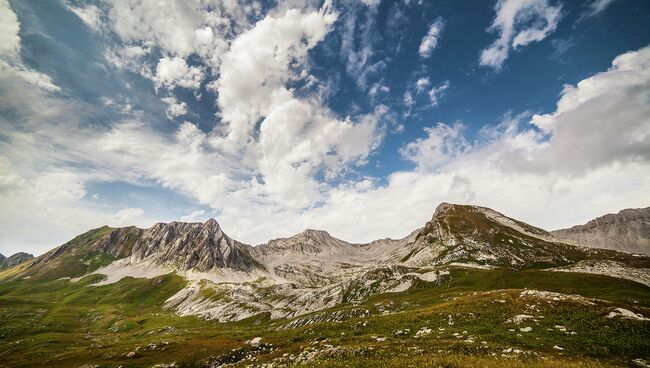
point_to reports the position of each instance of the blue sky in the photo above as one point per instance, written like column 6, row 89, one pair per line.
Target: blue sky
column 357, row 117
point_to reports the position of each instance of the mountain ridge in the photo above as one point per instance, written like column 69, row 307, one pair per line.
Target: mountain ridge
column 287, row 277
column 628, row 230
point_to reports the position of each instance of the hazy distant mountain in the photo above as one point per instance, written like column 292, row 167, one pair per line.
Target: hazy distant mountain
column 628, row 230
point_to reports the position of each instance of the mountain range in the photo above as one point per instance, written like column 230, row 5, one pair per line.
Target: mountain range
column 471, row 287
column 312, row 270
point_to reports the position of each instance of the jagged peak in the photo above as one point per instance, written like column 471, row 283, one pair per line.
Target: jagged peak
column 442, row 208
column 211, row 222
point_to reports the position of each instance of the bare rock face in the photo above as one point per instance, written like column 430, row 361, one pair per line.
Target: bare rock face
column 628, row 230
column 181, row 246
column 200, row 246
column 20, row 257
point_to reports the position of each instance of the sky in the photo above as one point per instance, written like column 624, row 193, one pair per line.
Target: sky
column 356, row 117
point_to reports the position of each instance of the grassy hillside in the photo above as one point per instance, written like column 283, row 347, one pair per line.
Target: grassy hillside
column 465, row 321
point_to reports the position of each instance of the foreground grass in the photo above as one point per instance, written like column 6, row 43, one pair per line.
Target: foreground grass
column 68, row 324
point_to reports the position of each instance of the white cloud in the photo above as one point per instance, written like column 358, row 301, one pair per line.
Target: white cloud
column 174, row 107
column 259, row 64
column 378, row 88
column 442, row 144
column 436, row 92
column 9, row 27
column 518, row 23
column 125, row 217
column 422, row 83
column 193, row 216
column 13, row 74
column 358, row 35
column 430, row 40
column 297, row 139
column 90, row 15
column 177, row 27
column 174, row 28
column 408, row 99
column 172, row 72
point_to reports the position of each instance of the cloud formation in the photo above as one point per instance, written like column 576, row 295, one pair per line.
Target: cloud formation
column 430, row 40
column 278, row 158
column 519, row 23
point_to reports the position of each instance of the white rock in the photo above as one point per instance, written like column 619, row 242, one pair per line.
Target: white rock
column 624, row 313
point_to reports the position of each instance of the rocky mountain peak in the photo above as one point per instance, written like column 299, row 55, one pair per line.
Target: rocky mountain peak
column 478, row 234
column 443, row 208
column 314, row 234
column 196, row 245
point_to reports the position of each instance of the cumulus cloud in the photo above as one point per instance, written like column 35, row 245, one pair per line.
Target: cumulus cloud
column 174, row 107
column 519, row 23
column 441, row 144
column 430, row 40
column 177, row 27
column 180, row 29
column 257, row 67
column 172, row 72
